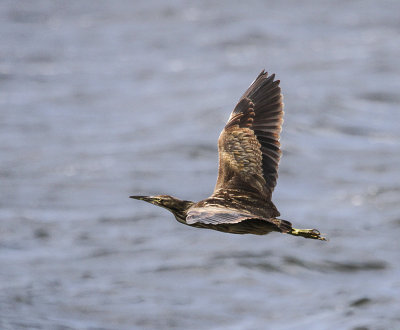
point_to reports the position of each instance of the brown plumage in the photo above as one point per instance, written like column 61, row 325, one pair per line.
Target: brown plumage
column 249, row 154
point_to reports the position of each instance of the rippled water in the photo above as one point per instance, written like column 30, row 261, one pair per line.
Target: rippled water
column 101, row 99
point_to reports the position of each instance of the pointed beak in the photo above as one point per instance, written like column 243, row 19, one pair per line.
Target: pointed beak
column 142, row 198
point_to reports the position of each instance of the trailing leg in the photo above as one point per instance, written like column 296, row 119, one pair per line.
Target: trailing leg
column 307, row 233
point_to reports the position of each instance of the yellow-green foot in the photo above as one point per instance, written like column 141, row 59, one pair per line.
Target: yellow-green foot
column 307, row 233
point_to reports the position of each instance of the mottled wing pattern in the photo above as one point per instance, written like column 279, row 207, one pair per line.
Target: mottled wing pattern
column 249, row 148
column 216, row 215
column 220, row 216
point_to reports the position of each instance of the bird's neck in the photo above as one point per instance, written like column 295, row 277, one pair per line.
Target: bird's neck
column 180, row 209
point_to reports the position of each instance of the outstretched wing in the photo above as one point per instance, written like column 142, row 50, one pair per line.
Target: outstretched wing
column 211, row 216
column 249, row 148
column 216, row 215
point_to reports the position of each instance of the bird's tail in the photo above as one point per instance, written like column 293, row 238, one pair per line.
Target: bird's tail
column 284, row 225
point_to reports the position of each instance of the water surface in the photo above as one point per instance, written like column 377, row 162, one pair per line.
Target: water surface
column 100, row 100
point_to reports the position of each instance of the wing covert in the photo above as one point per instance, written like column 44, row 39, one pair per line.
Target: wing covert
column 216, row 215
column 222, row 216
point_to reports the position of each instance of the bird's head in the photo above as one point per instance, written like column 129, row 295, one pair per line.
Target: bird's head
column 168, row 202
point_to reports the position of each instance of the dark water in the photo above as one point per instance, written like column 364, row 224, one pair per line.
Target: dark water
column 103, row 99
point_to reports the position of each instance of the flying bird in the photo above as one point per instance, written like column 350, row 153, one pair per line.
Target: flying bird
column 249, row 154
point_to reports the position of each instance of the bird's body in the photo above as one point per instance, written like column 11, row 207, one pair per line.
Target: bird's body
column 249, row 154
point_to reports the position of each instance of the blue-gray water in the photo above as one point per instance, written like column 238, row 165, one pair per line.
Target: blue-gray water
column 103, row 99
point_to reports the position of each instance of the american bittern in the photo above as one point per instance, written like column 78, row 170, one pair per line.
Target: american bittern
column 249, row 154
